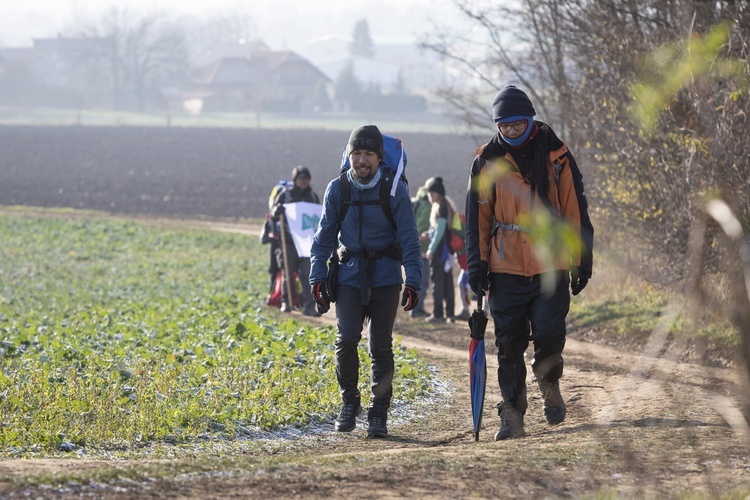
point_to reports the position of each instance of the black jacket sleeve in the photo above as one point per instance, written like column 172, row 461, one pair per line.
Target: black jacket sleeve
column 473, row 253
column 587, row 229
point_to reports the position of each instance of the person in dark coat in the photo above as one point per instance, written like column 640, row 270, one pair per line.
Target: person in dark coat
column 523, row 169
column 300, row 191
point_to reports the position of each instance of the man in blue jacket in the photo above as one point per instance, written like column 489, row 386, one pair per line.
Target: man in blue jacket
column 371, row 248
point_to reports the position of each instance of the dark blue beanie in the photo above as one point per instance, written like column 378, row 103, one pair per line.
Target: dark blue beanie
column 511, row 101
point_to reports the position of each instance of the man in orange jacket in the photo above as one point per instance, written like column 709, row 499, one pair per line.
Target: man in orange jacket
column 525, row 167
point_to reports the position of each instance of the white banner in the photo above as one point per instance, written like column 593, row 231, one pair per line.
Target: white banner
column 303, row 218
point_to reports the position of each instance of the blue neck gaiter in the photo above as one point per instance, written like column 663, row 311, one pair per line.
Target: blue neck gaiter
column 522, row 138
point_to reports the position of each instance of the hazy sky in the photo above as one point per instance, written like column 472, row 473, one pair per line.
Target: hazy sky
column 280, row 23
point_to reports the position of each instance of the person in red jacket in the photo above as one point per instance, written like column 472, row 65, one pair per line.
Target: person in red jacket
column 523, row 168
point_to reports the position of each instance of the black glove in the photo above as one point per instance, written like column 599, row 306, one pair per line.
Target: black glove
column 478, row 280
column 322, row 297
column 267, row 234
column 577, row 284
column 410, row 298
column 277, row 211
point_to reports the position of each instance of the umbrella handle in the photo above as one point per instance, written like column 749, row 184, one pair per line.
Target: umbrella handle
column 480, row 300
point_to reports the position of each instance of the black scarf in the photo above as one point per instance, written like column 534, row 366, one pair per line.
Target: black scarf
column 531, row 157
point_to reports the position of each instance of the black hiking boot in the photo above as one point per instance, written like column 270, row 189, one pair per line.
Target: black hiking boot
column 511, row 423
column 377, row 427
column 347, row 419
column 554, row 405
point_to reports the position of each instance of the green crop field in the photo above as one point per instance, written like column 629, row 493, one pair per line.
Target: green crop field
column 115, row 336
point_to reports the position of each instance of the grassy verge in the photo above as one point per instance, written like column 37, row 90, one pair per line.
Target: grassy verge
column 621, row 305
column 116, row 337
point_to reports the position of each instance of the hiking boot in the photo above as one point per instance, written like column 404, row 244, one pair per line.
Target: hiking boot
column 554, row 405
column 434, row 319
column 377, row 427
column 311, row 311
column 347, row 419
column 511, row 423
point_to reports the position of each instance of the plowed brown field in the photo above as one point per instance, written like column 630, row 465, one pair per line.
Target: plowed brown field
column 190, row 172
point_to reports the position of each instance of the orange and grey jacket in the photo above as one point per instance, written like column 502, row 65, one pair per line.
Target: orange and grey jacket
column 499, row 199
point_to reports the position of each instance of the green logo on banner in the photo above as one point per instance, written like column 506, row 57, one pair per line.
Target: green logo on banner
column 310, row 221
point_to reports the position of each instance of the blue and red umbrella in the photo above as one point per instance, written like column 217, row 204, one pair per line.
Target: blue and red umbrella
column 477, row 364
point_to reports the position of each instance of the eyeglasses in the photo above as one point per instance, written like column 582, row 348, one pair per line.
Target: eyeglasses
column 509, row 128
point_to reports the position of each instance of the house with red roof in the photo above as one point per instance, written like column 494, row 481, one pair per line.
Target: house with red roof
column 263, row 80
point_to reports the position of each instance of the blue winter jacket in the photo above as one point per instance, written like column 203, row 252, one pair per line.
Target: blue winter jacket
column 377, row 233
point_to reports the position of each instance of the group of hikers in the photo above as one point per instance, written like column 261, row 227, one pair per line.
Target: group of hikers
column 375, row 248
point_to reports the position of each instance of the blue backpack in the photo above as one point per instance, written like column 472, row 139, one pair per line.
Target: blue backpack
column 394, row 159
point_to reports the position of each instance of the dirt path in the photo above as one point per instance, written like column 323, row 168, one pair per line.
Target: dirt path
column 639, row 425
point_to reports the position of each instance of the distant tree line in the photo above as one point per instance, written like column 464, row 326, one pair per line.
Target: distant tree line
column 589, row 65
column 352, row 93
column 119, row 61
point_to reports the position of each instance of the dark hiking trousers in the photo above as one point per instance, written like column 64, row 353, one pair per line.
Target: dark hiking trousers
column 380, row 315
column 443, row 289
column 301, row 266
column 520, row 306
column 273, row 263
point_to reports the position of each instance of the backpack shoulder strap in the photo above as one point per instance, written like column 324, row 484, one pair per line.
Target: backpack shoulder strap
column 385, row 197
column 345, row 198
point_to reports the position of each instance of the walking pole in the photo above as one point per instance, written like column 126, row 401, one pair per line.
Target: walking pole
column 289, row 296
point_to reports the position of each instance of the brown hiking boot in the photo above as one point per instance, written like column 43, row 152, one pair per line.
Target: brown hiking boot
column 511, row 423
column 554, row 405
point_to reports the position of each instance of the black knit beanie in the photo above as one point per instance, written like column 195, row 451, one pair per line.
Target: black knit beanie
column 436, row 185
column 511, row 101
column 368, row 138
column 300, row 171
